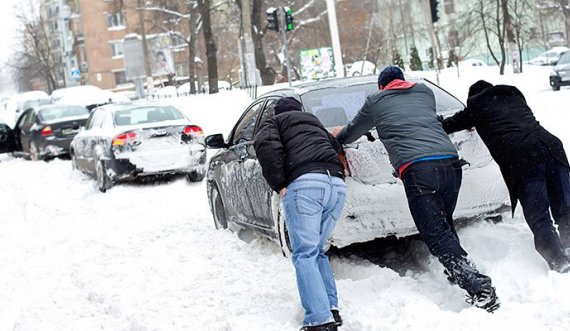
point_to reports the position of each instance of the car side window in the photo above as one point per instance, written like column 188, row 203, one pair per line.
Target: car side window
column 268, row 111
column 244, row 130
column 29, row 120
column 89, row 122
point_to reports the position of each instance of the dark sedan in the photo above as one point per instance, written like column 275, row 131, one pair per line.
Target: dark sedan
column 376, row 205
column 45, row 132
column 122, row 142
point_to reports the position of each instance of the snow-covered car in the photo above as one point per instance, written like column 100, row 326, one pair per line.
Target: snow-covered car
column 549, row 57
column 560, row 75
column 87, row 96
column 44, row 132
column 27, row 100
column 122, row 142
column 376, row 204
column 359, row 68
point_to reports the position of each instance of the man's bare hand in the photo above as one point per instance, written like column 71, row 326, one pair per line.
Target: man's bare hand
column 282, row 192
column 336, row 131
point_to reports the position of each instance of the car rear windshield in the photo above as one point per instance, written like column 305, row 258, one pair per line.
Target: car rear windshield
column 337, row 106
column 143, row 115
column 52, row 114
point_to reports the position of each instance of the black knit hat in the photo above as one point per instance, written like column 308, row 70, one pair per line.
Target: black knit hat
column 287, row 104
column 478, row 87
column 389, row 74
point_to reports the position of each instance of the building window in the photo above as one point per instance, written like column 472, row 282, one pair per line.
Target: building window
column 117, row 49
column 181, row 69
column 449, row 7
column 120, row 77
column 116, row 20
column 453, row 38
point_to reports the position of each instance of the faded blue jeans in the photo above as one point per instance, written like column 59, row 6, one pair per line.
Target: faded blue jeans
column 312, row 205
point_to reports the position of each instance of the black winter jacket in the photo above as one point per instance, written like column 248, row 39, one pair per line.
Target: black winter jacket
column 292, row 144
column 507, row 126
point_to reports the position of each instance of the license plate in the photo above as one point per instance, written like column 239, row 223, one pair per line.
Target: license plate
column 69, row 131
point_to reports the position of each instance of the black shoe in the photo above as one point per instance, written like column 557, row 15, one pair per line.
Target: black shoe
column 485, row 299
column 323, row 327
column 337, row 318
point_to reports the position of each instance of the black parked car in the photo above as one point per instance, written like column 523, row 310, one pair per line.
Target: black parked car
column 46, row 131
column 376, row 205
column 560, row 75
column 122, row 142
column 7, row 138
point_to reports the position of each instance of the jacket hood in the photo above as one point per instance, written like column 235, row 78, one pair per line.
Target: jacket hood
column 287, row 104
column 398, row 84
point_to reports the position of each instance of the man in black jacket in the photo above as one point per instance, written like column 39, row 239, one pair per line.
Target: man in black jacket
column 532, row 161
column 299, row 159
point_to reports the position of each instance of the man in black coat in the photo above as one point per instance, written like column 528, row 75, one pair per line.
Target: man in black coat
column 532, row 161
column 300, row 160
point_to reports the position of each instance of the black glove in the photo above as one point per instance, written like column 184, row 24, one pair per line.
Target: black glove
column 440, row 118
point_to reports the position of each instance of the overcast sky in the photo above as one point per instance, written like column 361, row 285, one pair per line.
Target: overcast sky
column 8, row 28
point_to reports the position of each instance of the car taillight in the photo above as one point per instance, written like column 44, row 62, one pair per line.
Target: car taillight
column 47, row 131
column 124, row 138
column 193, row 131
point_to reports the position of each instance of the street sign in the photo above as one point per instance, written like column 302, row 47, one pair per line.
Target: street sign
column 75, row 74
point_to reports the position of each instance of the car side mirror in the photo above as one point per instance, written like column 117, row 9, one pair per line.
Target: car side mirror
column 215, row 141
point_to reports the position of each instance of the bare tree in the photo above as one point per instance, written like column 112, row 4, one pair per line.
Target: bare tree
column 204, row 7
column 34, row 58
column 493, row 28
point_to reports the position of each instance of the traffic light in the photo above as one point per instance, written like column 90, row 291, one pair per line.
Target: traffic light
column 272, row 20
column 433, row 4
column 289, row 19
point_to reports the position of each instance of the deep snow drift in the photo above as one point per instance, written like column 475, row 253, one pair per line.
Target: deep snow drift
column 147, row 257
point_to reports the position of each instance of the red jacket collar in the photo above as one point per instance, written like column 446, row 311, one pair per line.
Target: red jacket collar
column 398, row 84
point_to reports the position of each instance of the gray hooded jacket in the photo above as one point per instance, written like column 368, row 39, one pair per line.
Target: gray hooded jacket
column 406, row 121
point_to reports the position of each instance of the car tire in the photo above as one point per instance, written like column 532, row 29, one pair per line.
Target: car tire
column 218, row 210
column 284, row 241
column 103, row 181
column 34, row 152
column 556, row 87
column 195, row 176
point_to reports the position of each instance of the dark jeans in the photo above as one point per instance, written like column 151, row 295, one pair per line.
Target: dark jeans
column 432, row 188
column 546, row 190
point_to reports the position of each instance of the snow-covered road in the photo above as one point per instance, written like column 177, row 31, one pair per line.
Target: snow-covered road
column 147, row 257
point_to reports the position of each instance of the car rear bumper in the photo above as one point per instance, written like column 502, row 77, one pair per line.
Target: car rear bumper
column 382, row 210
column 54, row 146
column 179, row 159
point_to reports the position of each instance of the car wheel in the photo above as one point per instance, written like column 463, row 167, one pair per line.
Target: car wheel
column 103, row 181
column 218, row 210
column 284, row 241
column 195, row 176
column 556, row 87
column 34, row 152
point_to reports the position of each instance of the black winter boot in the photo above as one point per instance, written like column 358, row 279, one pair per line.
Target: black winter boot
column 337, row 318
column 324, row 327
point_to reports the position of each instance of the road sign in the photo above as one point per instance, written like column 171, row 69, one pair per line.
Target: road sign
column 75, row 74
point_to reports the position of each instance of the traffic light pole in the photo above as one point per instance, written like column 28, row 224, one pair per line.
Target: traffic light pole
column 433, row 40
column 283, row 29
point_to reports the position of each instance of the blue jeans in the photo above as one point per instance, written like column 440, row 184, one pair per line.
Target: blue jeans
column 432, row 188
column 312, row 205
column 546, row 190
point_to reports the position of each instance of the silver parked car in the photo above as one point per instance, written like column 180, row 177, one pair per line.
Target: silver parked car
column 121, row 142
column 376, row 205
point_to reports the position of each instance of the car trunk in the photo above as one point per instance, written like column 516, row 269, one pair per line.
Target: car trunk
column 161, row 148
column 66, row 127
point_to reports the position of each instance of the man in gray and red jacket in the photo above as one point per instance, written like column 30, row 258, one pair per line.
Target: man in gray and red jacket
column 404, row 114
